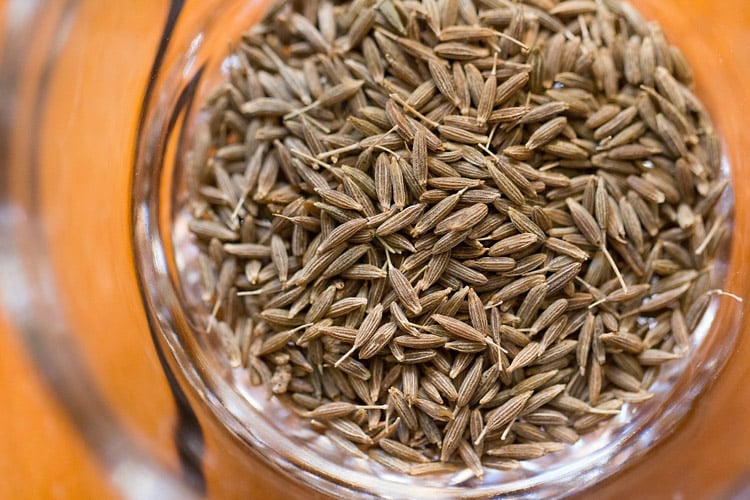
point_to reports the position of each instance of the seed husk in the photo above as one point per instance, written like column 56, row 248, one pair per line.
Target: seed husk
column 454, row 432
column 404, row 290
column 462, row 220
column 504, row 414
column 400, row 220
column 506, row 90
column 547, row 132
column 459, row 328
column 513, row 244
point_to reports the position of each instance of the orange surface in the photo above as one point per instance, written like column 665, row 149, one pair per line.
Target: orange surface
column 41, row 455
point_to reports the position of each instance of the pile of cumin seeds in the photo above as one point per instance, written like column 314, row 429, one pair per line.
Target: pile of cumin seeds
column 455, row 233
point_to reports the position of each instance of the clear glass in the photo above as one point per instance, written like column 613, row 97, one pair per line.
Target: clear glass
column 98, row 269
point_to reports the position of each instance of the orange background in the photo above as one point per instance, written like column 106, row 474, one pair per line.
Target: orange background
column 42, row 457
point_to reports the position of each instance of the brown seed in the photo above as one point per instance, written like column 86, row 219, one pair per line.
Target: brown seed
column 680, row 329
column 564, row 248
column 444, row 384
column 524, row 224
column 492, row 264
column 210, row 229
column 397, row 183
column 350, row 431
column 616, row 124
column 435, row 269
column 470, row 383
column 461, row 135
column 574, row 8
column 402, row 451
column 363, row 272
column 360, row 27
column 443, row 80
column 672, row 138
column 449, row 242
column 400, row 220
column 510, row 87
column 549, row 315
column 516, row 288
column 404, row 290
column 661, row 300
column 432, row 468
column 670, row 88
column 454, row 432
column 602, row 116
column 508, row 115
column 513, row 244
column 461, row 51
column 487, row 100
column 622, row 379
column 504, row 184
column 544, row 112
column 463, row 219
column 345, row 260
column 378, row 341
column 453, row 183
column 529, row 308
column 341, row 234
column 459, row 328
column 504, row 414
column 526, row 356
column 456, row 269
column 585, row 222
column 547, row 132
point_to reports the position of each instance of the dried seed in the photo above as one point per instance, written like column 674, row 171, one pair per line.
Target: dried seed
column 461, row 51
column 506, row 90
column 668, row 86
column 453, row 433
column 526, row 356
column 341, row 234
column 504, row 414
column 378, row 341
column 210, row 229
column 402, row 451
column 504, row 184
column 547, row 132
column 350, row 431
column 459, row 328
column 400, row 220
column 443, row 81
column 404, row 290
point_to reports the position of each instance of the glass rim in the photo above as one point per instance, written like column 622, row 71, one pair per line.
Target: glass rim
column 265, row 440
column 102, row 431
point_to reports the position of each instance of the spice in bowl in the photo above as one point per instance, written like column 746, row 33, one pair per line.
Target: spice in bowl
column 455, row 233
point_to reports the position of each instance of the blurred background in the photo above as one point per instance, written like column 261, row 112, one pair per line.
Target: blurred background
column 101, row 80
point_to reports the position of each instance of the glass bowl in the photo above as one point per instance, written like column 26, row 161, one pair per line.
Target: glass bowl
column 99, row 269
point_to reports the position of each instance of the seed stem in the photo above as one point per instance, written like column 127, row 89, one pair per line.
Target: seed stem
column 722, row 293
column 409, row 109
column 505, row 433
column 301, row 111
column 314, row 160
column 512, row 40
column 212, row 318
column 715, row 229
column 614, row 267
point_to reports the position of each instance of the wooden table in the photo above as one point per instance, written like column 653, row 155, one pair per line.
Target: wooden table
column 42, row 455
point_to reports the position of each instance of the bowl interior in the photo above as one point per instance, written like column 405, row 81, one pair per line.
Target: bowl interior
column 168, row 264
